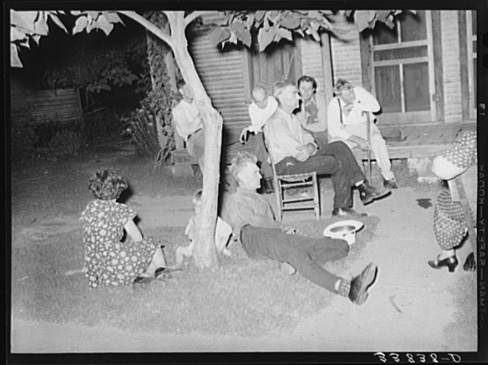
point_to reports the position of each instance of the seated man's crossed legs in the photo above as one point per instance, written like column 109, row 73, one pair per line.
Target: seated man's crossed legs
column 336, row 159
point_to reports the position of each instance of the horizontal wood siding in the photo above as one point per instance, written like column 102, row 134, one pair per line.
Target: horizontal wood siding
column 43, row 106
column 451, row 66
column 222, row 74
column 311, row 53
column 346, row 57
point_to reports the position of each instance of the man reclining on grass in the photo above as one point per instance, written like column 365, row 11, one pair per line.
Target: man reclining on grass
column 261, row 236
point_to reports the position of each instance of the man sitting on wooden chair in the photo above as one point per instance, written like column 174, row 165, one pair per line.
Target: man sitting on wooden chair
column 262, row 237
column 455, row 208
column 294, row 151
column 347, row 118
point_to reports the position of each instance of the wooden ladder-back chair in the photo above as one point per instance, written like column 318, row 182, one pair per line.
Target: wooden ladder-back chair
column 284, row 182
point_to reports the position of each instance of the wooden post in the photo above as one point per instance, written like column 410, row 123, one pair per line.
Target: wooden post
column 327, row 67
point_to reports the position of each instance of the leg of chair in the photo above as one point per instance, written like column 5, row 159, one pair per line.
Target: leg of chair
column 279, row 198
column 316, row 199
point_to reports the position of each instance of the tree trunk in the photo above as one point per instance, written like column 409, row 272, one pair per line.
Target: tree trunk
column 153, row 52
column 204, row 254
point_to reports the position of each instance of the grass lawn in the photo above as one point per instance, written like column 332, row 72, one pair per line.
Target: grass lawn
column 241, row 297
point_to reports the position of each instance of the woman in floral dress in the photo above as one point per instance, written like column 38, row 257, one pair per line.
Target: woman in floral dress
column 109, row 260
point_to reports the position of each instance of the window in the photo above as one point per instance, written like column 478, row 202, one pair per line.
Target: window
column 401, row 65
column 472, row 59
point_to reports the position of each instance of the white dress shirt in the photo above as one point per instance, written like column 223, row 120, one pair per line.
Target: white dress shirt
column 364, row 102
column 284, row 134
column 186, row 118
column 259, row 116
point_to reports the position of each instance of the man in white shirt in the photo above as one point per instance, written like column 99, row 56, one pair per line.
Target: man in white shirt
column 294, row 151
column 261, row 108
column 188, row 123
column 312, row 112
column 347, row 123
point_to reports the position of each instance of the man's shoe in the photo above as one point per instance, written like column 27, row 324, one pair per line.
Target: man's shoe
column 347, row 212
column 360, row 284
column 390, row 184
column 368, row 193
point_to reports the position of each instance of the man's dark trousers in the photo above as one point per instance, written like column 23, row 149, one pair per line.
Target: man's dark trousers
column 307, row 255
column 335, row 159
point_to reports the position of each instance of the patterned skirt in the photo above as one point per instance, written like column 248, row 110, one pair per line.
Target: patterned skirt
column 449, row 221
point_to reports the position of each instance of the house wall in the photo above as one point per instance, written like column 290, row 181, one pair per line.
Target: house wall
column 30, row 106
column 451, row 66
column 346, row 56
column 224, row 74
column 311, row 54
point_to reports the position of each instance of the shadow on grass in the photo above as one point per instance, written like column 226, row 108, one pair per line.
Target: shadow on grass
column 241, row 298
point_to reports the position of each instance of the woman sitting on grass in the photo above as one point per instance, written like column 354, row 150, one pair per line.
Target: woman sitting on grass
column 109, row 260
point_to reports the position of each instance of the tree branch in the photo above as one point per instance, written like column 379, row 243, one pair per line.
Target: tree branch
column 192, row 16
column 149, row 26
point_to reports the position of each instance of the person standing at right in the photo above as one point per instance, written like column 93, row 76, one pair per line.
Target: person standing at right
column 347, row 122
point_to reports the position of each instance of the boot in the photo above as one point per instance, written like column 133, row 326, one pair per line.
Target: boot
column 368, row 194
column 359, row 285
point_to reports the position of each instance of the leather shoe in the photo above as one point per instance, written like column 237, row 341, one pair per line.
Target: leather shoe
column 450, row 262
column 142, row 282
column 360, row 284
column 347, row 212
column 470, row 263
column 368, row 193
column 390, row 184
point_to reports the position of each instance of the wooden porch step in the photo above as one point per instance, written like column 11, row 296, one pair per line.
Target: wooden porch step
column 424, row 141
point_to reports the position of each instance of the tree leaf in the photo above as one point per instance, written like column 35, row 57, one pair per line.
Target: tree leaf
column 218, row 35
column 249, row 20
column 364, row 19
column 16, row 34
column 265, row 37
column 383, row 15
column 14, row 56
column 23, row 19
column 40, row 26
column 56, row 20
column 284, row 33
column 237, row 25
column 244, row 37
column 291, row 21
column 93, row 14
column 233, row 38
column 112, row 17
column 259, row 15
column 389, row 22
column 36, row 38
column 80, row 24
column 91, row 24
column 103, row 24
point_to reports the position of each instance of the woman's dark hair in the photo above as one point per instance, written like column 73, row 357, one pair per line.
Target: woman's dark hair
column 107, row 184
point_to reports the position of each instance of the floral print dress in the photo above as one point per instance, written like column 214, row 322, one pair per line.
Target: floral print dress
column 108, row 260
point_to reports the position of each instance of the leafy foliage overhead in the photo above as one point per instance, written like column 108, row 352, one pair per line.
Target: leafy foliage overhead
column 27, row 25
column 274, row 25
